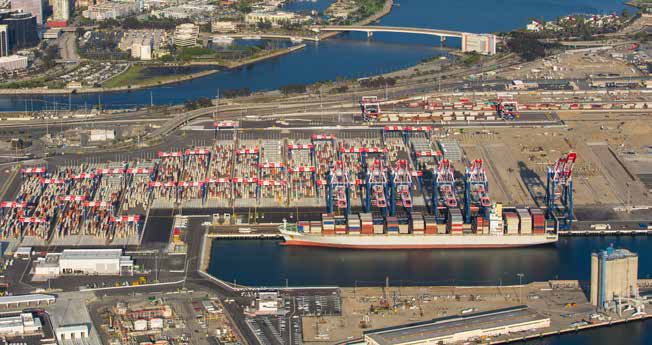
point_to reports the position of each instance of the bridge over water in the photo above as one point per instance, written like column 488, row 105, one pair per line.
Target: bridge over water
column 481, row 43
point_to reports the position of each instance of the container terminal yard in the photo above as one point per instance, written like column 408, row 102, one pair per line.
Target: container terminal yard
column 409, row 178
column 403, row 177
column 522, row 174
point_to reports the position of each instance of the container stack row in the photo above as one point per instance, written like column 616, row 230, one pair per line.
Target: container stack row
column 301, row 171
column 220, row 171
column 538, row 221
column 455, row 222
column 272, row 180
column 245, row 180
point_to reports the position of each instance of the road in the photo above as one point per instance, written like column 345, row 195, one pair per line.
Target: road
column 68, row 47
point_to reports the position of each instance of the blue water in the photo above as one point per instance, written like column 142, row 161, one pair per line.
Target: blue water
column 305, row 6
column 265, row 263
column 349, row 56
column 269, row 264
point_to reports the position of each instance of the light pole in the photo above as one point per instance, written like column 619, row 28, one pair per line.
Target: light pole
column 520, row 283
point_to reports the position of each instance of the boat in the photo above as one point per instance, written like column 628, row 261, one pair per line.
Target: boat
column 414, row 241
column 296, row 39
column 508, row 230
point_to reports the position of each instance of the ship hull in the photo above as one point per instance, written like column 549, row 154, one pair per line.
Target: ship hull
column 385, row 242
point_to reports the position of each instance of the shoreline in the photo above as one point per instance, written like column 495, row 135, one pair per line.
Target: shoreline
column 321, row 36
column 219, row 68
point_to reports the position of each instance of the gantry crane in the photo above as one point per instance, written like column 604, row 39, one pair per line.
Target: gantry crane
column 559, row 191
column 370, row 107
column 339, row 188
column 444, row 195
column 476, row 190
column 401, row 186
column 376, row 187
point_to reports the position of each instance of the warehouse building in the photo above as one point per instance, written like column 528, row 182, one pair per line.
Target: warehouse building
column 461, row 329
column 72, row 332
column 19, row 325
column 614, row 274
column 17, row 301
column 85, row 261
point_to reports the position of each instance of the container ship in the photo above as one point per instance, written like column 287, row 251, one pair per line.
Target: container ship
column 508, row 229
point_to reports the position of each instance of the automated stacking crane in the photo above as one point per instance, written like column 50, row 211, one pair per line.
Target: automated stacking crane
column 370, row 108
column 559, row 191
column 401, row 186
column 376, row 187
column 507, row 109
column 444, row 195
column 339, row 188
column 476, row 190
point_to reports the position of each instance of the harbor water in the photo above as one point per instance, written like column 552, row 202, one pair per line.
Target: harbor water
column 267, row 263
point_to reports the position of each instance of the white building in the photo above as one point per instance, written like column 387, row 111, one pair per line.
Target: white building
column 23, row 324
column 13, row 62
column 101, row 135
column 185, row 35
column 52, row 34
column 71, row 332
column 84, row 261
column 535, row 26
column 223, row 26
column 267, row 303
column 276, row 18
column 61, row 10
column 110, row 10
column 461, row 329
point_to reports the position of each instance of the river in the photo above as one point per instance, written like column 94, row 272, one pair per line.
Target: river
column 350, row 55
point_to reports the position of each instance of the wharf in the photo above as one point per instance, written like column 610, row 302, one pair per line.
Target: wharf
column 573, row 329
column 606, row 232
column 564, row 303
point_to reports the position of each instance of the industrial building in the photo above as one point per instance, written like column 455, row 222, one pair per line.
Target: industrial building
column 84, row 261
column 461, row 329
column 72, row 332
column 267, row 303
column 614, row 275
column 17, row 301
column 20, row 325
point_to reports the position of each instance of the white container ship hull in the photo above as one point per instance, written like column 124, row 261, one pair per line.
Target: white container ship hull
column 412, row 241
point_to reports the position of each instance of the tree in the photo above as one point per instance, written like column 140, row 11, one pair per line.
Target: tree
column 51, row 54
column 293, row 88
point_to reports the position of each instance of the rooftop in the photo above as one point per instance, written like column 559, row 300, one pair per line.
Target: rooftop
column 26, row 298
column 449, row 326
column 85, row 254
column 612, row 253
